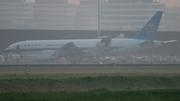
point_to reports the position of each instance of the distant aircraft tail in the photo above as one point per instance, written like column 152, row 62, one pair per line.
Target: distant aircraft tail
column 148, row 32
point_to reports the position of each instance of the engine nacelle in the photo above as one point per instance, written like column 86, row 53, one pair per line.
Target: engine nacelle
column 48, row 52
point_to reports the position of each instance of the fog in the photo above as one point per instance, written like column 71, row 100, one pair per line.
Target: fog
column 63, row 19
column 61, row 15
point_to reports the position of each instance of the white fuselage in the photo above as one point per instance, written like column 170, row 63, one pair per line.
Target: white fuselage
column 116, row 46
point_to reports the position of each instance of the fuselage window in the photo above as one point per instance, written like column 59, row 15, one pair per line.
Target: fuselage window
column 32, row 45
column 21, row 45
column 35, row 45
column 25, row 45
column 28, row 45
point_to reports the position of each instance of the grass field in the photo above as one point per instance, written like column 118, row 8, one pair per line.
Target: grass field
column 86, row 83
column 75, row 83
column 96, row 95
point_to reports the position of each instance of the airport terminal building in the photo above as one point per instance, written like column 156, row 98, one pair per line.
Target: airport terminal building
column 121, row 15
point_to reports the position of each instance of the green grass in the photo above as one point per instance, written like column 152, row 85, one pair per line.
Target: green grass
column 90, row 84
column 95, row 95
column 85, row 83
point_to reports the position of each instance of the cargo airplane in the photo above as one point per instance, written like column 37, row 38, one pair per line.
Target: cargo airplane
column 103, row 46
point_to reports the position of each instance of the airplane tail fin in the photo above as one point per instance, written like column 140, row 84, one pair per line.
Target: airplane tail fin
column 148, row 32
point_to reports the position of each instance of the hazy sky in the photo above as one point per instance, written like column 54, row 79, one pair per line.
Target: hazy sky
column 170, row 3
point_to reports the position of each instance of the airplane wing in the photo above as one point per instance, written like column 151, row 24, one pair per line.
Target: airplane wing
column 169, row 41
column 69, row 51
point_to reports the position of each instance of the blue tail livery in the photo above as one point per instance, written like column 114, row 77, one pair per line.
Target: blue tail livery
column 148, row 32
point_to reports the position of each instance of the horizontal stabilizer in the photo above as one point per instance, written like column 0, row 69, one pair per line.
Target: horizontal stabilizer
column 170, row 41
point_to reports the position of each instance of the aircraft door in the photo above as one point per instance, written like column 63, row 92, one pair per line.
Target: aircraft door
column 17, row 48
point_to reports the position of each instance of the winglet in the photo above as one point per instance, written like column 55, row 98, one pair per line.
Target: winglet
column 148, row 32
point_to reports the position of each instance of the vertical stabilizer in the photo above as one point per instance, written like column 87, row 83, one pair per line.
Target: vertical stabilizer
column 148, row 32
